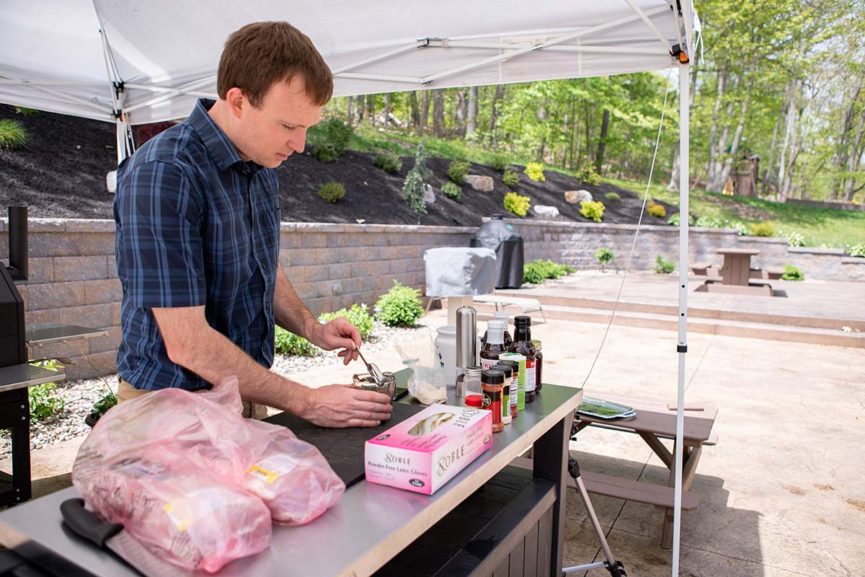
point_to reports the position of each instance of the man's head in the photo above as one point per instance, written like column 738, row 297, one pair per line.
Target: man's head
column 274, row 83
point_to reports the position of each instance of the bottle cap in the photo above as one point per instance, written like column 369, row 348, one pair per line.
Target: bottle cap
column 523, row 320
column 474, row 401
column 507, row 369
column 493, row 377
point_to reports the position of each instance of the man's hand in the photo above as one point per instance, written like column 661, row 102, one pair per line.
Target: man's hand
column 346, row 406
column 338, row 333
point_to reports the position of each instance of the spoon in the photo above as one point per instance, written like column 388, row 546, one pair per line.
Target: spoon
column 372, row 368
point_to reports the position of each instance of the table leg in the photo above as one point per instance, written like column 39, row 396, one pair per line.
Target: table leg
column 690, row 458
column 550, row 460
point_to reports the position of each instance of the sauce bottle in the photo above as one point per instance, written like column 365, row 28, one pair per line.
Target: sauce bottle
column 506, row 338
column 523, row 345
column 539, row 363
column 494, row 345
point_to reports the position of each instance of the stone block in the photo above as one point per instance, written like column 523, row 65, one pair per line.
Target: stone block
column 91, row 225
column 310, row 256
column 545, row 211
column 40, row 270
column 362, row 269
column 313, row 240
column 480, row 183
column 577, row 196
column 307, row 290
column 102, row 291
column 90, row 366
column 115, row 313
column 306, row 274
column 54, row 295
column 69, row 268
column 339, row 271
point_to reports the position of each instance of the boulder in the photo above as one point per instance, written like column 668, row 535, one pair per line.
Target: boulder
column 546, row 211
column 577, row 196
column 481, row 183
column 429, row 194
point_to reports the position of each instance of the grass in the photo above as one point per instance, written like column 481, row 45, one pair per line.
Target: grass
column 12, row 134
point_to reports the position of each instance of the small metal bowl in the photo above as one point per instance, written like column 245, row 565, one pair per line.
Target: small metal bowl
column 367, row 382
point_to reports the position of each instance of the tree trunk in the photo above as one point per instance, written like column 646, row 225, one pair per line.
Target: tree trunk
column 843, row 154
column 472, row 113
column 737, row 138
column 460, row 112
column 424, row 111
column 370, row 109
column 388, row 104
column 789, row 136
column 770, row 163
column 348, row 110
column 415, row 111
column 713, row 128
column 853, row 161
column 602, row 141
column 438, row 113
column 494, row 111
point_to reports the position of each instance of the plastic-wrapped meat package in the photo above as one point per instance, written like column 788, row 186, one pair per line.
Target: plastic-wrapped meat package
column 293, row 478
column 182, row 513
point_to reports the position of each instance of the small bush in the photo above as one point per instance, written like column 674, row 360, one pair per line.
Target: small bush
column 400, row 306
column 452, row 191
column 332, row 192
column 358, row 315
column 511, row 178
column 656, row 210
column 45, row 401
column 604, row 256
column 12, row 134
column 415, row 181
column 588, row 175
column 25, row 111
column 286, row 343
column 592, row 209
column 105, row 402
column 390, row 163
column 329, row 139
column 517, row 204
column 738, row 227
column 458, row 170
column 539, row 270
column 709, row 222
column 664, row 266
column 613, row 196
column 674, row 220
column 795, row 239
column 535, row 171
column 500, row 162
column 762, row 229
column 856, row 250
column 792, row 273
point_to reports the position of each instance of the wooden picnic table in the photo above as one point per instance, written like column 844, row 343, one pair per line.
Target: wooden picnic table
column 737, row 265
column 656, row 421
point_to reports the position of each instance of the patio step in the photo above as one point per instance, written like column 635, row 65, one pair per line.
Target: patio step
column 666, row 318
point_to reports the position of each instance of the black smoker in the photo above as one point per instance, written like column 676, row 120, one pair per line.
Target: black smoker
column 499, row 236
column 14, row 404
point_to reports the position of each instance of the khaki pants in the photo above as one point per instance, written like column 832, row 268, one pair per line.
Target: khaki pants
column 126, row 392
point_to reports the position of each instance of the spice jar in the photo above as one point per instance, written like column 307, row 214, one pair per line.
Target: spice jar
column 471, row 383
column 492, row 384
column 512, row 386
column 508, row 371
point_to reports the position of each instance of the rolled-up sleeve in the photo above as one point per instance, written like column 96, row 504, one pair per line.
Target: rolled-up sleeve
column 159, row 237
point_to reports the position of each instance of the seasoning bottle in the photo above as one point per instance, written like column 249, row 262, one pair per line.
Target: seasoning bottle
column 521, row 377
column 471, row 381
column 506, row 338
column 492, row 384
column 513, row 393
column 508, row 371
column 539, row 363
column 495, row 344
column 523, row 345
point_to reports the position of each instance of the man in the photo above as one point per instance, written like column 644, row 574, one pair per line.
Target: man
column 197, row 213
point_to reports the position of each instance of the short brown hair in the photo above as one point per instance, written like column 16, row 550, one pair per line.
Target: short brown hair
column 262, row 53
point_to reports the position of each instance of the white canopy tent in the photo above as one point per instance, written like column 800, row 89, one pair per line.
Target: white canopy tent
column 135, row 62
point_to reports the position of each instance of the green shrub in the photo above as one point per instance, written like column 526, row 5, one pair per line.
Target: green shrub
column 856, row 250
column 656, row 210
column 452, row 191
column 400, row 306
column 500, row 162
column 25, row 111
column 329, row 139
column 664, row 266
column 45, row 401
column 105, row 402
column 738, row 227
column 415, row 181
column 795, row 239
column 535, row 171
column 517, row 204
column 710, row 222
column 604, row 256
column 538, row 271
column 286, row 343
column 674, row 219
column 792, row 273
column 332, row 192
column 613, row 196
column 592, row 209
column 762, row 229
column 458, row 170
column 390, row 163
column 358, row 315
column 588, row 175
column 511, row 178
column 12, row 134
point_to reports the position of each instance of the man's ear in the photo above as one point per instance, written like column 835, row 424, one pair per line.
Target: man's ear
column 236, row 101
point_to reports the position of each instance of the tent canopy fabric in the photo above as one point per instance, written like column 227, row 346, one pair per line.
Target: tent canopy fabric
column 93, row 58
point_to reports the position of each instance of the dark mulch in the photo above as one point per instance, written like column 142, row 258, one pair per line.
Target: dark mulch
column 61, row 171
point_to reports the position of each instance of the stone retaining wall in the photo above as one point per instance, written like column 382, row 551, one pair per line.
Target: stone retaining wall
column 73, row 276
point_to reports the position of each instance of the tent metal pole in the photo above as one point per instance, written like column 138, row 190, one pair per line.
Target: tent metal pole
column 684, row 138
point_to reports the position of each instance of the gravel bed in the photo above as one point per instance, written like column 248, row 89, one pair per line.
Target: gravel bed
column 80, row 395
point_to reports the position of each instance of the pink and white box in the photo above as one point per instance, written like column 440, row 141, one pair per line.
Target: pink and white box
column 426, row 450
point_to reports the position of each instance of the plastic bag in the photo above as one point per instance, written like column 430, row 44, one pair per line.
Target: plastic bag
column 426, row 383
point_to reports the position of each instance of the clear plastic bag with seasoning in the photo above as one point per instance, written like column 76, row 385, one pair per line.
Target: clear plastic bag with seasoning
column 427, row 381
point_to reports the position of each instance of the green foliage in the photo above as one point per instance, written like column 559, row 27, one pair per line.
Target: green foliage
column 500, row 162
column 415, row 181
column 792, row 273
column 535, row 171
column 452, row 191
column 517, row 204
column 674, row 219
column 656, row 210
column 25, row 111
column 538, row 271
column 105, row 402
column 329, row 139
column 510, row 178
column 358, row 315
column 458, row 170
column 12, row 134
column 795, row 239
column 856, row 250
column 592, row 209
column 604, row 256
column 587, row 175
column 764, row 229
column 332, row 192
column 388, row 162
column 664, row 266
column 45, row 401
column 400, row 306
column 613, row 196
column 286, row 343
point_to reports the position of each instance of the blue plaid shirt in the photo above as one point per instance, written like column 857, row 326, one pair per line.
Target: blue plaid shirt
column 196, row 225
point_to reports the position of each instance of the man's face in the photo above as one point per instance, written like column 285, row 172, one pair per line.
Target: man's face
column 276, row 129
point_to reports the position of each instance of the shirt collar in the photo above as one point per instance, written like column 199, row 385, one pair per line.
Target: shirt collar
column 215, row 140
